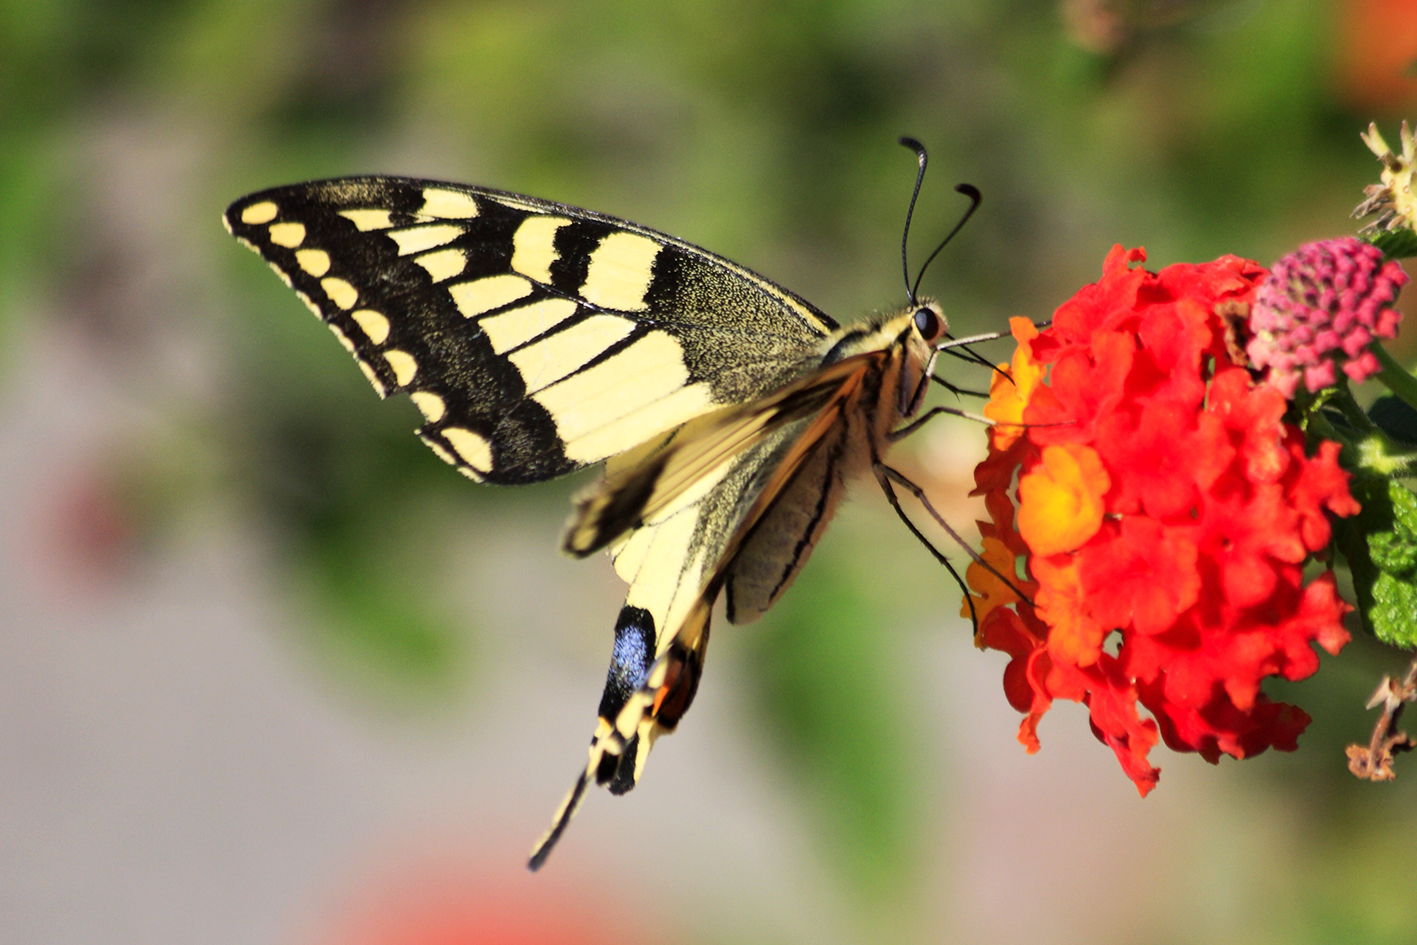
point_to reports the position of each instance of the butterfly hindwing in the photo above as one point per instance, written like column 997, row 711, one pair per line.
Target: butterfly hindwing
column 673, row 564
column 777, row 470
column 536, row 338
column 639, row 493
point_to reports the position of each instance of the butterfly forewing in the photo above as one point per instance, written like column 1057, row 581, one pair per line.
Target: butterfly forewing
column 536, row 338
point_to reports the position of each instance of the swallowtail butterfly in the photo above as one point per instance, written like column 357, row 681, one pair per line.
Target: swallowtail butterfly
column 538, row 338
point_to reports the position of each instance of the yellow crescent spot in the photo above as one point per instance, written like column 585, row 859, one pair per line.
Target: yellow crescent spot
column 375, row 325
column 314, row 261
column 403, row 364
column 428, row 404
column 340, row 292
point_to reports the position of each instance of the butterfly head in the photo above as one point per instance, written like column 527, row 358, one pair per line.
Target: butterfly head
column 929, row 320
column 927, row 328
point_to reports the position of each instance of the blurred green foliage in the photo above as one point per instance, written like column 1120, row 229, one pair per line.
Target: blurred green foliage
column 842, row 719
column 763, row 131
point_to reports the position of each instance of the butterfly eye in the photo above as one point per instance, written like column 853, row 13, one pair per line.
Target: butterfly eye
column 928, row 323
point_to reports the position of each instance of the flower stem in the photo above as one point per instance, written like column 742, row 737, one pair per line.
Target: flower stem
column 1396, row 378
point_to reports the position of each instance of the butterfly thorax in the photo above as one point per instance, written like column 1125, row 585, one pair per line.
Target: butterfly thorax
column 903, row 341
column 886, row 362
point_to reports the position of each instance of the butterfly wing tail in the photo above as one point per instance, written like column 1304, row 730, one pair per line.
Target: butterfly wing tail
column 564, row 813
column 621, row 745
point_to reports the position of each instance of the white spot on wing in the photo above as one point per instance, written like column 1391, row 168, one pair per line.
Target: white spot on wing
column 483, row 295
column 375, row 325
column 438, row 450
column 474, row 449
column 314, row 261
column 621, row 268
column 438, row 202
column 553, row 357
column 368, row 219
column 535, row 249
column 418, row 238
column 340, row 292
column 520, row 325
column 403, row 364
column 429, row 404
column 444, row 264
column 281, row 272
column 289, row 235
column 373, row 378
column 263, row 212
column 309, row 304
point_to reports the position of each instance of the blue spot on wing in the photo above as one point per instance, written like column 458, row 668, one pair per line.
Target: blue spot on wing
column 630, row 659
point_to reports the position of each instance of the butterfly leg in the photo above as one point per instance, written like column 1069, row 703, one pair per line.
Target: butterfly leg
column 885, row 475
column 900, row 434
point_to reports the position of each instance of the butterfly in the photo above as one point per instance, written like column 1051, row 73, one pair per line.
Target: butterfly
column 538, row 338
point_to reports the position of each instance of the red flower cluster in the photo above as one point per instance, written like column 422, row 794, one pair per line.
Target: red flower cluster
column 1164, row 514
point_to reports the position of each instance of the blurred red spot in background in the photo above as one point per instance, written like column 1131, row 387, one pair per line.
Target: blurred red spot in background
column 452, row 904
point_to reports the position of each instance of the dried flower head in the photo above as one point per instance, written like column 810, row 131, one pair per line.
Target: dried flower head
column 1322, row 304
column 1393, row 197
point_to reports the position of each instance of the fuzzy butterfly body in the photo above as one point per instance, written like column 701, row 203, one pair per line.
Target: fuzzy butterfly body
column 537, row 338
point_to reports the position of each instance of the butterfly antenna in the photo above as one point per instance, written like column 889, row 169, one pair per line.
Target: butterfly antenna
column 975, row 197
column 923, row 158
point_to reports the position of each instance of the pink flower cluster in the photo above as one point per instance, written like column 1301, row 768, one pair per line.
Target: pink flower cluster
column 1326, row 300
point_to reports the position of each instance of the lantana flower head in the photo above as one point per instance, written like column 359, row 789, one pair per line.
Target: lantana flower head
column 1324, row 303
column 1161, row 521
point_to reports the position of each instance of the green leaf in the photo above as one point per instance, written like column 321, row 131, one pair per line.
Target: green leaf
column 1395, row 417
column 1380, row 545
column 1395, row 244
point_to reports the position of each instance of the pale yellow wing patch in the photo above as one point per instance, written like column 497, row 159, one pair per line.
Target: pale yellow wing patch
column 490, row 292
column 624, row 400
column 534, row 247
column 448, row 204
column 517, row 326
column 561, row 353
column 621, row 269
column 416, row 239
column 368, row 219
